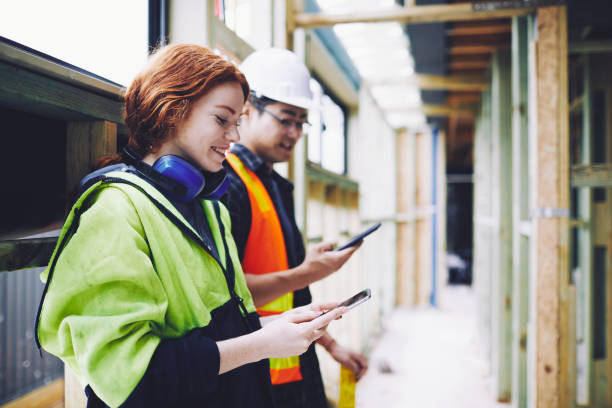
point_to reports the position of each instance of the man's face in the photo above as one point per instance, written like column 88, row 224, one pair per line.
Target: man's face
column 272, row 133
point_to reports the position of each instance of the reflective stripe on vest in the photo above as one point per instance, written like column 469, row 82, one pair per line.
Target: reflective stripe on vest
column 265, row 252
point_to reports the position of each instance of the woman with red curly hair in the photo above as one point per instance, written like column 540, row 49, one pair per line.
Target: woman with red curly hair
column 145, row 299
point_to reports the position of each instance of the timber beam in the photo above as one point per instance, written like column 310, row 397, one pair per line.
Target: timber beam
column 439, row 82
column 432, row 110
column 593, row 175
column 489, row 29
column 407, row 15
column 590, row 47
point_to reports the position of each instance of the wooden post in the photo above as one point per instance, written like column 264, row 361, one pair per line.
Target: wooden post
column 501, row 200
column 86, row 142
column 313, row 229
column 290, row 9
column 598, row 81
column 551, row 227
column 299, row 158
column 482, row 264
column 405, row 205
column 520, row 212
column 423, row 240
column 532, row 112
column 584, row 284
column 441, row 269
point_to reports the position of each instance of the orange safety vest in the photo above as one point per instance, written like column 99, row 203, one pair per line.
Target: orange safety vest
column 265, row 252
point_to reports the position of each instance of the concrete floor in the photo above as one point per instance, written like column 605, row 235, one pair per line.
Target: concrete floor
column 429, row 358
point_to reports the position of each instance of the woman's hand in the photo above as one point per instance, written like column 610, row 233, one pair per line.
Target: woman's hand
column 285, row 335
column 292, row 332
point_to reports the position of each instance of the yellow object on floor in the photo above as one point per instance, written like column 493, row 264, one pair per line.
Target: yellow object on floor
column 347, row 388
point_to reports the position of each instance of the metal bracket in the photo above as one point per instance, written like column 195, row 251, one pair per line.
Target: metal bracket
column 549, row 212
column 514, row 4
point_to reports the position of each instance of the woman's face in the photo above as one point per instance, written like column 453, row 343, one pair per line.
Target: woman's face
column 204, row 136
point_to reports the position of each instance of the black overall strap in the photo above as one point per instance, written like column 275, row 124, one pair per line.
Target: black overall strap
column 231, row 276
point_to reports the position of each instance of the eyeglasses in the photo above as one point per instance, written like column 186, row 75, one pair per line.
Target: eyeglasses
column 288, row 123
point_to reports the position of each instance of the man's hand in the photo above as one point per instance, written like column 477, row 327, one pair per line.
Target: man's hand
column 322, row 260
column 352, row 360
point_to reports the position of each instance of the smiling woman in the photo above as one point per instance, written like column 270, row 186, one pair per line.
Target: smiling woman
column 145, row 298
column 205, row 135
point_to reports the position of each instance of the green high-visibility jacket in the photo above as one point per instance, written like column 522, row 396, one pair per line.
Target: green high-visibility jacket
column 124, row 277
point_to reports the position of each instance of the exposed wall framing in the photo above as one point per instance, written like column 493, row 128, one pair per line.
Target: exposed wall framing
column 550, row 238
column 520, row 210
column 406, row 238
column 501, row 201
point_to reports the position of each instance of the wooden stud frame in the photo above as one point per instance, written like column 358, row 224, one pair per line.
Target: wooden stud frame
column 520, row 212
column 584, row 285
column 550, row 240
column 405, row 152
column 501, row 273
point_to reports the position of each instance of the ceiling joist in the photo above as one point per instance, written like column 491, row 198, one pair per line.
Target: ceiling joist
column 491, row 29
column 433, row 110
column 414, row 14
column 436, row 82
column 474, row 49
column 458, row 65
column 463, row 98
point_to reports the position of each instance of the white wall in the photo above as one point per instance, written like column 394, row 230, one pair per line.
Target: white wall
column 372, row 163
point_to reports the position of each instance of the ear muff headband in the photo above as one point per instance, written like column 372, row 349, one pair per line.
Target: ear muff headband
column 216, row 186
column 182, row 173
column 179, row 178
column 168, row 174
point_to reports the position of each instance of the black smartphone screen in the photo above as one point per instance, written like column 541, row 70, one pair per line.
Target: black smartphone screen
column 359, row 237
column 357, row 299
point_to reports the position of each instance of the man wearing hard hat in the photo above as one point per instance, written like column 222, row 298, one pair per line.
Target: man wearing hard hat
column 260, row 201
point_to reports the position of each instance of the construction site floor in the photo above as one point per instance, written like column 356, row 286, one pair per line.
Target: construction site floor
column 430, row 358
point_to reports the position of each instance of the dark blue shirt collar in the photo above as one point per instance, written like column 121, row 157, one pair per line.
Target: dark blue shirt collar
column 259, row 167
column 250, row 159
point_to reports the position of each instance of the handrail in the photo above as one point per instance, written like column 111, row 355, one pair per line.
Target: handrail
column 35, row 61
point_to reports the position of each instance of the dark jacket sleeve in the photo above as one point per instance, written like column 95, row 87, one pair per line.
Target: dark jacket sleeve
column 181, row 369
column 236, row 199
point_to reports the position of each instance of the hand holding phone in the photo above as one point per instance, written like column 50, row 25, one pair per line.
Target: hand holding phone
column 355, row 300
column 355, row 240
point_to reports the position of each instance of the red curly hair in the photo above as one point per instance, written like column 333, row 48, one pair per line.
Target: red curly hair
column 163, row 93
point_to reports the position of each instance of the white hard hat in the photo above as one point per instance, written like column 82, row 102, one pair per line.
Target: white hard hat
column 278, row 74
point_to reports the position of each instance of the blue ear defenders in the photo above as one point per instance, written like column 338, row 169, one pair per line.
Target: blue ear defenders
column 179, row 178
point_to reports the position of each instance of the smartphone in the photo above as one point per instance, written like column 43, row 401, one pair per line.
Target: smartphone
column 357, row 299
column 355, row 240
